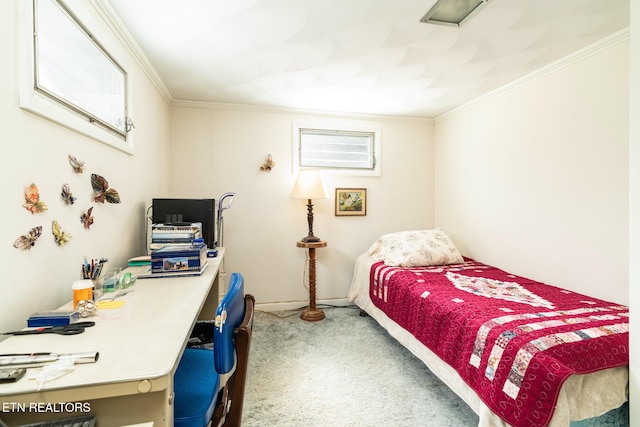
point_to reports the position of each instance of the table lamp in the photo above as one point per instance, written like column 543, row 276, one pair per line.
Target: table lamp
column 309, row 186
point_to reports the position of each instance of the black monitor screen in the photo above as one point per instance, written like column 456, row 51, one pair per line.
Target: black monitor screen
column 181, row 211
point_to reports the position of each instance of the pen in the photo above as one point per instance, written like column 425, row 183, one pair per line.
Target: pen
column 38, row 358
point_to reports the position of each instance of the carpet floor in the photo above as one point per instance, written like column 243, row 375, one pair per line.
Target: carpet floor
column 342, row 371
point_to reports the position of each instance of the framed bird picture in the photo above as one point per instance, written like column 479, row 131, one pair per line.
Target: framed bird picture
column 351, row 201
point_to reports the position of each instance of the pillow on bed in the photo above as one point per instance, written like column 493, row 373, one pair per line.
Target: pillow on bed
column 415, row 248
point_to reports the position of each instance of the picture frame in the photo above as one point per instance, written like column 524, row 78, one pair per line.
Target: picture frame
column 351, row 201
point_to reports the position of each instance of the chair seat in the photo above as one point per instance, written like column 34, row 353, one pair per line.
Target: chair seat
column 196, row 388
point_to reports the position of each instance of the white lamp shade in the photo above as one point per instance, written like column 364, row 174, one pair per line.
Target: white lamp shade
column 309, row 185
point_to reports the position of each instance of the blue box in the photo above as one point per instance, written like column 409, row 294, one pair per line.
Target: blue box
column 179, row 258
column 52, row 318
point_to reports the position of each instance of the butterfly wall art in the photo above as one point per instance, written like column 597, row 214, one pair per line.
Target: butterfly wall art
column 87, row 219
column 66, row 195
column 103, row 192
column 268, row 164
column 28, row 240
column 61, row 237
column 77, row 165
column 32, row 200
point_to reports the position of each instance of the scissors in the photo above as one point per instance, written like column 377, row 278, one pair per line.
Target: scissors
column 71, row 329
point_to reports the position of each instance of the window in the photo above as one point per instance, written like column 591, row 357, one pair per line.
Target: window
column 348, row 152
column 67, row 76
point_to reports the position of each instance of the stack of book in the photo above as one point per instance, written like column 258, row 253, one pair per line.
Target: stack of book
column 163, row 235
column 140, row 261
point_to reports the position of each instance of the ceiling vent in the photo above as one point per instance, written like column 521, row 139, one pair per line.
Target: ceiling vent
column 452, row 12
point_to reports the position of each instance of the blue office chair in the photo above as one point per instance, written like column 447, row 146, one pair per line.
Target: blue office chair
column 197, row 379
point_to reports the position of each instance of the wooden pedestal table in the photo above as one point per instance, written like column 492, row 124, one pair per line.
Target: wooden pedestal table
column 312, row 313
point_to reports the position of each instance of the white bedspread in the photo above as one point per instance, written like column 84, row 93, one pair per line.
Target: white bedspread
column 581, row 397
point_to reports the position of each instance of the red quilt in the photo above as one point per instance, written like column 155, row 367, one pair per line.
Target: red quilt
column 513, row 340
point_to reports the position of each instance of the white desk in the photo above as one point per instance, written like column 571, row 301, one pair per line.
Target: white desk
column 140, row 346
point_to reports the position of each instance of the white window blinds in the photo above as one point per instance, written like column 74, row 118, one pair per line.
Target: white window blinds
column 321, row 148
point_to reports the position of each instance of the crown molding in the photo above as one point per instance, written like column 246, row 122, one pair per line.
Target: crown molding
column 577, row 56
column 283, row 110
column 112, row 19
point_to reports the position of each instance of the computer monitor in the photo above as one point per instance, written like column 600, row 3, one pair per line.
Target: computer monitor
column 187, row 211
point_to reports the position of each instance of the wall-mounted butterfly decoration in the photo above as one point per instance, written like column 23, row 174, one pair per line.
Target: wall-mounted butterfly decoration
column 268, row 164
column 87, row 219
column 103, row 192
column 29, row 240
column 32, row 200
column 77, row 165
column 61, row 237
column 66, row 194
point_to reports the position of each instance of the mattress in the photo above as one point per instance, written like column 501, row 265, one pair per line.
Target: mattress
column 581, row 396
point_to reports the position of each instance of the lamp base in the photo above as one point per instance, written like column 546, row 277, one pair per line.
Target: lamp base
column 310, row 239
column 312, row 315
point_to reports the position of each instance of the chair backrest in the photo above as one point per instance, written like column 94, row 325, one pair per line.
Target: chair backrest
column 229, row 315
column 230, row 410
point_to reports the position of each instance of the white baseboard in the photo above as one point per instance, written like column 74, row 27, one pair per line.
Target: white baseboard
column 295, row 305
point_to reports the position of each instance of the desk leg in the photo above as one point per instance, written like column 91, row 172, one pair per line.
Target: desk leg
column 312, row 313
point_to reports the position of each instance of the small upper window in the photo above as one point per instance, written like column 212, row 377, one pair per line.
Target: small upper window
column 74, row 80
column 353, row 152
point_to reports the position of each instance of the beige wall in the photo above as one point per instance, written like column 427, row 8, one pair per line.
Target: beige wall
column 225, row 147
column 535, row 179
column 35, row 150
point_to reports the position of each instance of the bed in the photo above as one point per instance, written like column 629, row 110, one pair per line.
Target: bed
column 518, row 352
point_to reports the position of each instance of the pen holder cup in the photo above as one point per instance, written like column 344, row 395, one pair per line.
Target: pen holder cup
column 82, row 290
column 97, row 288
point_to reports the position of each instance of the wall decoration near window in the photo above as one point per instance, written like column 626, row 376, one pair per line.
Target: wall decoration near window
column 32, row 201
column 268, row 164
column 351, row 201
column 28, row 240
column 77, row 165
column 102, row 190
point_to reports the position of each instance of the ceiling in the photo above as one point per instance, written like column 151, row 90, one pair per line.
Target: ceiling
column 356, row 56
